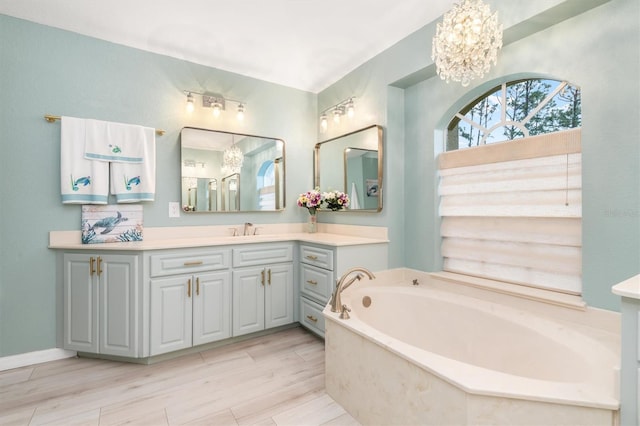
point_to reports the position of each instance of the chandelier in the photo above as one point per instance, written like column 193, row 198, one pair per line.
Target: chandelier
column 232, row 159
column 466, row 42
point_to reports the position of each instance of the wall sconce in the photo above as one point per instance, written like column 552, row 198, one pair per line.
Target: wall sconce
column 216, row 102
column 345, row 107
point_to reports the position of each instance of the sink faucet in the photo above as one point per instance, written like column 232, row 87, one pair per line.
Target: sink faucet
column 247, row 225
column 336, row 300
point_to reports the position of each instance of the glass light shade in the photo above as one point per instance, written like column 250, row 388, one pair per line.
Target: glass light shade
column 240, row 115
column 190, row 104
column 336, row 116
column 351, row 110
column 216, row 109
column 323, row 123
column 466, row 42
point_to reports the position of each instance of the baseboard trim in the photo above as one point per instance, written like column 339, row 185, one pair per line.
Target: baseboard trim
column 36, row 357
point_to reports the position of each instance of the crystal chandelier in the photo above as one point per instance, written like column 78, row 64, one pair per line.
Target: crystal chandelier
column 232, row 159
column 466, row 42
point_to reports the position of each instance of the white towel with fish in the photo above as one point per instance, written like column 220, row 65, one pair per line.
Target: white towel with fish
column 132, row 183
column 114, row 142
column 82, row 181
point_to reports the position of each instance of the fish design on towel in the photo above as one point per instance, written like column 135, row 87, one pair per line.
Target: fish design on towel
column 108, row 223
column 133, row 181
column 84, row 181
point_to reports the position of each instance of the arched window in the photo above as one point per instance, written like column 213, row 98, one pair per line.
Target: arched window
column 266, row 185
column 517, row 109
column 511, row 187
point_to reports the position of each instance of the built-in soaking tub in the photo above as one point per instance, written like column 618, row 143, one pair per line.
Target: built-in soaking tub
column 442, row 353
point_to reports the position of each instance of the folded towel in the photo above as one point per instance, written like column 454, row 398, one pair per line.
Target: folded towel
column 106, row 141
column 82, row 181
column 353, row 198
column 131, row 183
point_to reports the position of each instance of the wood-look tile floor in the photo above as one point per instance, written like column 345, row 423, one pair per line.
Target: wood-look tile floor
column 276, row 379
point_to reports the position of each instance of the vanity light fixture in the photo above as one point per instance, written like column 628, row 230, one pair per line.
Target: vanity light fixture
column 466, row 42
column 190, row 101
column 216, row 102
column 345, row 107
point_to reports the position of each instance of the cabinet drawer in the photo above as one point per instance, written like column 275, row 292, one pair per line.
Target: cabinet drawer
column 317, row 256
column 315, row 282
column 311, row 316
column 262, row 254
column 189, row 261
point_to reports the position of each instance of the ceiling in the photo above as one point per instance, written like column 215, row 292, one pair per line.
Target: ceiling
column 305, row 44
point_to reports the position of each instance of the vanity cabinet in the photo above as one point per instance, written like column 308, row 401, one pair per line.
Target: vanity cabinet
column 262, row 287
column 320, row 268
column 189, row 308
column 101, row 303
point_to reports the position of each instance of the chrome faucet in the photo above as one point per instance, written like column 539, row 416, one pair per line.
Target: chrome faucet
column 247, row 225
column 336, row 300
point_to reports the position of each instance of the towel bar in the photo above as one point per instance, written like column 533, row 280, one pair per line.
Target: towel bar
column 54, row 118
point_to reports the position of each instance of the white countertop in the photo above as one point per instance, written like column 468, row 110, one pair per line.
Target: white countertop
column 628, row 288
column 185, row 237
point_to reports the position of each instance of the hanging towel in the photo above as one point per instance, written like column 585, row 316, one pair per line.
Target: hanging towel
column 130, row 182
column 82, row 181
column 106, row 141
column 353, row 198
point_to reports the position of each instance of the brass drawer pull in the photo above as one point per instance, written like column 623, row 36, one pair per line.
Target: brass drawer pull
column 269, row 281
column 312, row 282
column 312, row 257
column 189, row 288
column 92, row 269
column 99, row 266
column 262, row 277
column 198, row 286
column 312, row 318
column 193, row 263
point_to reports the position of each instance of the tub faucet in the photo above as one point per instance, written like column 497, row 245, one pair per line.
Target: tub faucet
column 247, row 226
column 336, row 300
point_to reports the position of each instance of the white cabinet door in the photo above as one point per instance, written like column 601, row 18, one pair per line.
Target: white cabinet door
column 212, row 307
column 80, row 303
column 279, row 295
column 118, row 298
column 248, row 300
column 171, row 314
column 100, row 303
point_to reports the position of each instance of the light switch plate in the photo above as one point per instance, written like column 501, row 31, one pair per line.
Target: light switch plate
column 174, row 209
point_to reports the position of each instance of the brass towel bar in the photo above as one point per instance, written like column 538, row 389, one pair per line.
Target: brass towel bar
column 54, row 118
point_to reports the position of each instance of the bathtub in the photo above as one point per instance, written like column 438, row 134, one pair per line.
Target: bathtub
column 424, row 354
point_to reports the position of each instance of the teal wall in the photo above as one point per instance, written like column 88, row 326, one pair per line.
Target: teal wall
column 49, row 71
column 593, row 47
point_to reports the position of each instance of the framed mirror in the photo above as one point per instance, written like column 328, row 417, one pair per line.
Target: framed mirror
column 352, row 163
column 231, row 172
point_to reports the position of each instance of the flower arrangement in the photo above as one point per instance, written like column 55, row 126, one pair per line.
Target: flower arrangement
column 311, row 200
column 335, row 200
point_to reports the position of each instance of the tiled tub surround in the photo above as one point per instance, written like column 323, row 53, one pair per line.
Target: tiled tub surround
column 445, row 353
